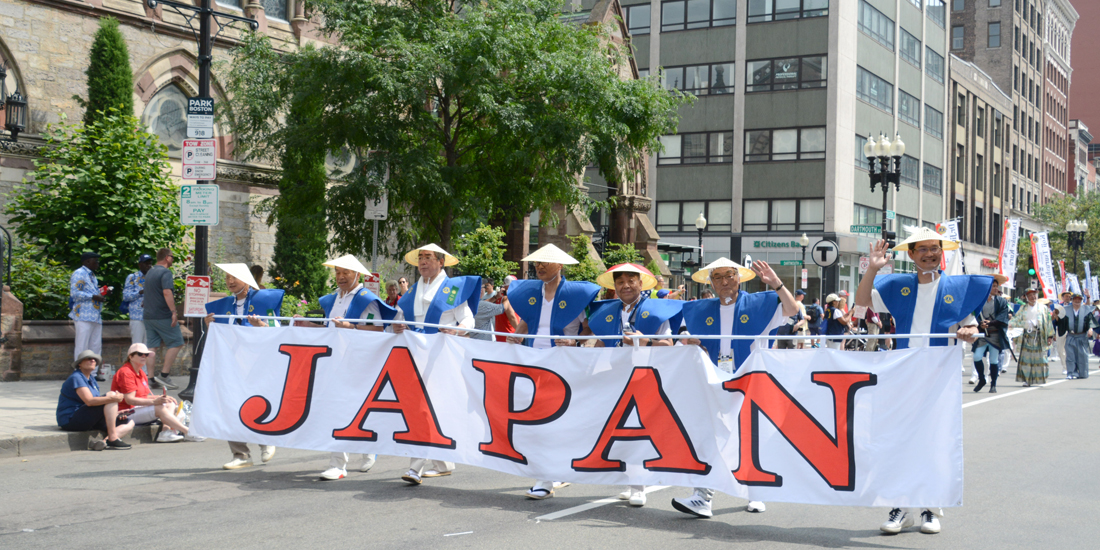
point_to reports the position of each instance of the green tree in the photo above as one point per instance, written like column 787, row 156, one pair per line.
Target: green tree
column 41, row 283
column 586, row 269
column 101, row 188
column 110, row 80
column 1062, row 210
column 472, row 111
column 618, row 253
column 481, row 252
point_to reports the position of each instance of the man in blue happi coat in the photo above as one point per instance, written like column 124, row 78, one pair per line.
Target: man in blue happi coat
column 925, row 302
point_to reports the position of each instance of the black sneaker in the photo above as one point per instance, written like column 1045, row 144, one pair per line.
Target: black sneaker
column 118, row 445
column 165, row 380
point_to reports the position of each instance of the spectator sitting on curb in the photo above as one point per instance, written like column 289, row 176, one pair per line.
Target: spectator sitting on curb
column 133, row 384
column 81, row 408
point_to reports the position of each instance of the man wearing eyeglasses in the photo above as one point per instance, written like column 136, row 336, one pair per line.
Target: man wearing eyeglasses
column 925, row 302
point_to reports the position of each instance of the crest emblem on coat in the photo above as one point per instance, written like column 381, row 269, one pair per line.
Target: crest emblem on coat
column 710, row 321
column 949, row 299
column 645, row 314
column 561, row 304
column 744, row 319
column 905, row 291
column 531, row 300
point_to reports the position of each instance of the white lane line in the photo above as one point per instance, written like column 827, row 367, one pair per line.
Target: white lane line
column 591, row 505
column 1018, row 392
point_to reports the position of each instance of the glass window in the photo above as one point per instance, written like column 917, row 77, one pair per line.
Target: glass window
column 958, row 5
column 876, row 24
column 762, row 11
column 995, row 34
column 812, row 143
column 994, row 3
column 933, row 64
column 725, row 13
column 979, row 121
column 680, row 216
column 957, row 35
column 785, row 144
column 696, row 148
column 721, row 147
column 637, row 18
column 166, row 117
column 936, row 11
column 790, row 73
column 698, row 14
column 811, row 214
column 668, row 216
column 275, row 9
column 670, row 150
column 910, row 48
column 933, row 121
column 908, row 108
column 933, row 179
column 699, row 79
column 672, row 16
column 916, row 3
column 784, row 215
column 874, row 90
column 861, row 161
column 866, row 215
column 230, row 3
column 910, row 171
column 755, row 216
column 719, row 216
column 679, row 15
column 721, row 78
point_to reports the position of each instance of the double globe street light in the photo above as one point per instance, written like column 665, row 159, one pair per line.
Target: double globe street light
column 884, row 172
column 1076, row 231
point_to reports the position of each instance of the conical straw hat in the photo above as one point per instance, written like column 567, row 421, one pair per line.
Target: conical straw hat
column 926, row 234
column 607, row 278
column 551, row 254
column 703, row 275
column 448, row 261
column 348, row 262
column 241, row 272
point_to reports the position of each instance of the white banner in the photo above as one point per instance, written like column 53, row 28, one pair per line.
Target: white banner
column 1087, row 281
column 950, row 230
column 816, row 426
column 1040, row 249
column 1009, row 246
column 1074, row 284
column 1095, row 286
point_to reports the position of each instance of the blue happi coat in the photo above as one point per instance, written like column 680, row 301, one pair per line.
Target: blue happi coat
column 258, row 302
column 362, row 299
column 570, row 300
column 648, row 316
column 956, row 297
column 452, row 292
column 751, row 315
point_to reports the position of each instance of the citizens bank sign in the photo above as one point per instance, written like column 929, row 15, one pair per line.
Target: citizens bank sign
column 776, row 244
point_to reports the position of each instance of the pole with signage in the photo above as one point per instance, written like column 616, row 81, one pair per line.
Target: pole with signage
column 377, row 209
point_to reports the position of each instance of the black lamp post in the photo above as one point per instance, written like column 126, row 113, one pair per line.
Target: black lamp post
column 884, row 151
column 1076, row 231
column 700, row 224
column 15, row 107
column 804, row 241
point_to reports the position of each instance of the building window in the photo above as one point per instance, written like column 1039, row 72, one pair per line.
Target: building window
column 866, row 215
column 276, row 9
column 910, row 171
column 680, row 216
column 784, row 144
column 979, row 226
column 979, row 173
column 998, row 133
column 960, row 111
column 874, row 90
column 697, row 148
column 936, row 11
column 876, row 24
column 861, row 161
column 957, row 37
column 637, row 19
column 996, row 180
column 789, row 73
column 960, row 163
column 958, row 5
column 997, row 229
column 933, row 179
column 166, row 116
column 783, row 215
column 680, row 15
column 909, row 49
column 916, row 3
column 933, row 122
column 995, row 34
column 979, row 121
column 761, row 11
column 908, row 108
column 698, row 80
column 933, row 64
column 994, row 3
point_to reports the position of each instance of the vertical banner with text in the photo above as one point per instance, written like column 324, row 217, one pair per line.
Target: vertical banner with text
column 1007, row 257
column 950, row 231
column 1040, row 250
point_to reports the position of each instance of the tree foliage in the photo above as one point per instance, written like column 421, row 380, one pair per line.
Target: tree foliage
column 470, row 111
column 481, row 252
column 110, row 80
column 586, row 269
column 101, row 188
column 42, row 284
column 618, row 253
column 1056, row 214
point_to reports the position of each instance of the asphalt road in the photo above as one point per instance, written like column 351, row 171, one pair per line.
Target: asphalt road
column 1030, row 483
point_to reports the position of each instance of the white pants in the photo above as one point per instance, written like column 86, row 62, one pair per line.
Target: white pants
column 1060, row 345
column 137, row 332
column 340, row 460
column 144, row 414
column 417, row 465
column 89, row 335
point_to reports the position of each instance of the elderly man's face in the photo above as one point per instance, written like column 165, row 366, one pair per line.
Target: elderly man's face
column 1031, row 298
column 927, row 254
column 235, row 285
column 628, row 287
column 726, row 282
column 428, row 265
column 547, row 271
column 1077, row 301
column 346, row 279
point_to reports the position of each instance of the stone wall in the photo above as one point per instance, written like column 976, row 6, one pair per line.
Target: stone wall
column 47, row 349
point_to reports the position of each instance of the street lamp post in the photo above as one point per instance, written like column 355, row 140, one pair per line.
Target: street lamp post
column 884, row 151
column 804, row 242
column 1076, row 231
column 700, row 224
column 15, row 108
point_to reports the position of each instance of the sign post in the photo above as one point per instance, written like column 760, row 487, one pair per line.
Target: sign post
column 196, row 294
column 200, row 159
column 377, row 209
column 198, row 204
column 824, row 253
column 200, row 117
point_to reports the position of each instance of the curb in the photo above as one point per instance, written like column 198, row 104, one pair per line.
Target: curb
column 21, row 445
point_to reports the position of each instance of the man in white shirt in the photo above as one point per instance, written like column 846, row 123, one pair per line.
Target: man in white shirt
column 926, row 302
column 438, row 299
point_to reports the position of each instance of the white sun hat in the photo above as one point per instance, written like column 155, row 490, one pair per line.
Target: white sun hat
column 926, row 234
column 412, row 255
column 348, row 262
column 241, row 272
column 551, row 254
column 607, row 278
column 703, row 275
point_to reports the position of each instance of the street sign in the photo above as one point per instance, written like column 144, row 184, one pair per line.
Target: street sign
column 200, row 159
column 825, row 253
column 378, row 209
column 373, row 283
column 805, row 278
column 199, row 132
column 890, row 215
column 196, row 294
column 200, row 118
column 791, row 262
column 198, row 204
column 865, row 262
column 865, row 229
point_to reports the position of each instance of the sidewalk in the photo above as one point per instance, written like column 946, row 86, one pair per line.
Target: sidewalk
column 28, row 422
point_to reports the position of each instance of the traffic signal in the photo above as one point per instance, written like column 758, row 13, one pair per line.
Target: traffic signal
column 890, row 238
column 1031, row 266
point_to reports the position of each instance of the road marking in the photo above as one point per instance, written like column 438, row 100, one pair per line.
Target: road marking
column 594, row 504
column 457, row 534
column 1018, row 392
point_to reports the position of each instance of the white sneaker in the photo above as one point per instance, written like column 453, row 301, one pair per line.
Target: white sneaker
column 169, row 436
column 193, row 438
column 267, row 452
column 333, row 474
column 637, row 498
column 237, row 463
column 930, row 524
column 625, row 495
column 756, row 506
column 412, row 477
column 973, row 380
column 368, row 462
column 696, row 505
column 897, row 521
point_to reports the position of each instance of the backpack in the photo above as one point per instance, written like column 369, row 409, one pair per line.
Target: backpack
column 813, row 312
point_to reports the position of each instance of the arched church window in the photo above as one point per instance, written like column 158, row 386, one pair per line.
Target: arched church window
column 165, row 116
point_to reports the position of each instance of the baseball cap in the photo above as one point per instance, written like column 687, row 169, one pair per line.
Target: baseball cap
column 88, row 256
column 144, row 258
column 508, row 280
column 800, row 292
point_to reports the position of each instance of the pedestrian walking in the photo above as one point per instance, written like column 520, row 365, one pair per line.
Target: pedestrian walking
column 1080, row 322
column 160, row 317
column 487, row 311
column 993, row 318
column 1038, row 334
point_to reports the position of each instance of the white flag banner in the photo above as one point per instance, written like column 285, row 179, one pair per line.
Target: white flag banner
column 1095, row 286
column 1040, row 248
column 1009, row 243
column 817, row 426
column 1074, row 284
column 950, row 231
column 1087, row 280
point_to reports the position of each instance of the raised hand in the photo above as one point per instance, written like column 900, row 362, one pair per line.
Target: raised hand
column 766, row 274
column 879, row 256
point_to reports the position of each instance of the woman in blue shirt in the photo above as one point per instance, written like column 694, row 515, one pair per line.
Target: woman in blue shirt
column 81, row 408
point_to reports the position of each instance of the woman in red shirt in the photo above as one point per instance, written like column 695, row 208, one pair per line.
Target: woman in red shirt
column 133, row 384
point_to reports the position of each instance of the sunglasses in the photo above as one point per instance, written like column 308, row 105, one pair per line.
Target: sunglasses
column 141, row 354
